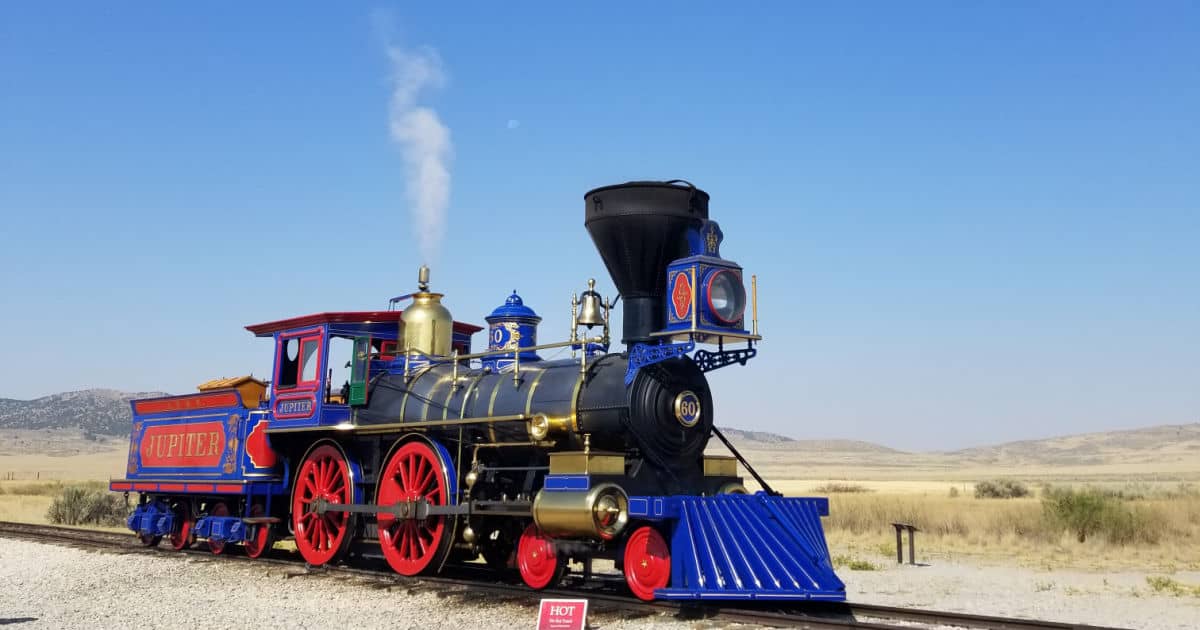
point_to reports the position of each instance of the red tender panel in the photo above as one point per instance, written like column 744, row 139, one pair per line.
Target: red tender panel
column 120, row 486
column 229, row 487
column 170, row 487
column 145, row 486
column 198, row 445
column 261, row 455
column 186, row 403
column 200, row 487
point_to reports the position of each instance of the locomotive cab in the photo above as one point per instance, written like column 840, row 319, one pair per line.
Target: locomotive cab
column 311, row 384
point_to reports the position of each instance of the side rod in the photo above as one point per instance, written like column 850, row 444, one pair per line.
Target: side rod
column 422, row 509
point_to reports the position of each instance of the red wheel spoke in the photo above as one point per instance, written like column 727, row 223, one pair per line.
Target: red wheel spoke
column 406, row 541
column 322, row 475
column 426, row 478
column 411, row 473
column 400, row 477
column 337, row 485
column 333, row 476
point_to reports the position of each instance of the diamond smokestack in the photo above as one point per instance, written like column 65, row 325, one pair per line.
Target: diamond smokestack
column 638, row 228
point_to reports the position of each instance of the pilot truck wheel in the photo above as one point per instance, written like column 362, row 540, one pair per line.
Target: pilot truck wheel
column 181, row 536
column 260, row 538
column 646, row 562
column 538, row 559
column 218, row 509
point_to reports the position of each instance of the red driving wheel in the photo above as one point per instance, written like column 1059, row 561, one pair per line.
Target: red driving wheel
column 411, row 546
column 260, row 537
column 218, row 509
column 647, row 562
column 181, row 535
column 324, row 475
column 538, row 560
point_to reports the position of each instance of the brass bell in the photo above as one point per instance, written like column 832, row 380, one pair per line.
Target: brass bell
column 591, row 307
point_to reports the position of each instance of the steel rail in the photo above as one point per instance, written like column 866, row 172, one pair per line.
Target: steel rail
column 605, row 598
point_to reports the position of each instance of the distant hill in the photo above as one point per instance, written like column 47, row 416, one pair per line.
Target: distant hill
column 97, row 411
column 1151, row 444
column 764, row 440
column 105, row 412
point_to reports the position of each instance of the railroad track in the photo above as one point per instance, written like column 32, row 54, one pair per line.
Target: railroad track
column 604, row 598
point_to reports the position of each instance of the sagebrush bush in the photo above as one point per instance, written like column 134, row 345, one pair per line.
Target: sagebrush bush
column 835, row 487
column 1090, row 512
column 83, row 505
column 1000, row 489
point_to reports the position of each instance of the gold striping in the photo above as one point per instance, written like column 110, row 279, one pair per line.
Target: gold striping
column 472, row 388
column 491, row 407
column 533, row 388
column 446, row 405
column 400, row 426
column 408, row 383
column 431, row 396
column 574, row 417
column 196, row 417
column 492, row 400
column 231, row 482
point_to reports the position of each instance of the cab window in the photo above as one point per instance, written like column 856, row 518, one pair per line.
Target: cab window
column 309, row 360
column 299, row 362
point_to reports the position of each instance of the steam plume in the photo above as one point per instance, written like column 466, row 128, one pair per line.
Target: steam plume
column 424, row 143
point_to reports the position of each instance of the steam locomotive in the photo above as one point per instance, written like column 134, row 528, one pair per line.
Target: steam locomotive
column 435, row 455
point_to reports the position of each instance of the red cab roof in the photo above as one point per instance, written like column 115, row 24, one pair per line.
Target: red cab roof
column 344, row 317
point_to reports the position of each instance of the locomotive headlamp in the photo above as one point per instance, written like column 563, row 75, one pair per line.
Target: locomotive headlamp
column 726, row 296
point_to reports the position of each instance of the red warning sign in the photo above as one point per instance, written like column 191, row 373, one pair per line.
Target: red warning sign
column 562, row 614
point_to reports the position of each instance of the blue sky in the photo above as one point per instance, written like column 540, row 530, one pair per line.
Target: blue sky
column 970, row 223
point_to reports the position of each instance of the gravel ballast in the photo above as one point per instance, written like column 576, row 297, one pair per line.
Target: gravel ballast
column 61, row 587
column 47, row 586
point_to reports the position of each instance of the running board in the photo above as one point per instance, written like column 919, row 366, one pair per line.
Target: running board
column 750, row 547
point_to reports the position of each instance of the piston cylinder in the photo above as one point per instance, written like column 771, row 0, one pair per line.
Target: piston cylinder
column 600, row 512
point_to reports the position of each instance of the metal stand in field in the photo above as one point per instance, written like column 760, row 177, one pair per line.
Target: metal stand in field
column 900, row 542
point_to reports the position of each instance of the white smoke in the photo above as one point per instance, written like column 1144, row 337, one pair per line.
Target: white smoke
column 424, row 143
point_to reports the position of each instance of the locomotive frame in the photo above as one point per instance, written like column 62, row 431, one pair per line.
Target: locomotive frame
column 438, row 455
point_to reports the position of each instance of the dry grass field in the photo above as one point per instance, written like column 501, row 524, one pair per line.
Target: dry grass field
column 1146, row 495
column 29, row 481
column 1149, row 489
